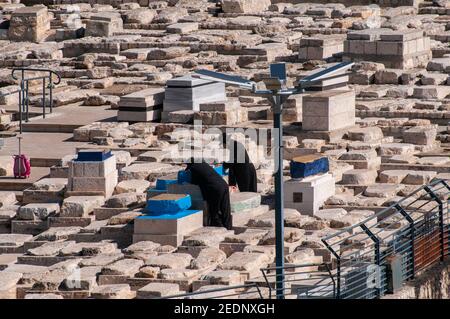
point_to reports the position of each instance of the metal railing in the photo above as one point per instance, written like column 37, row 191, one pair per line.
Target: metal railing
column 414, row 230
column 47, row 83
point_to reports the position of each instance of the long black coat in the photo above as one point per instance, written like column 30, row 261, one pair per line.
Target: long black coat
column 241, row 170
column 215, row 191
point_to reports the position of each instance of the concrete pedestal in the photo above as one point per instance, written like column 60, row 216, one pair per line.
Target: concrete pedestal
column 308, row 194
column 93, row 176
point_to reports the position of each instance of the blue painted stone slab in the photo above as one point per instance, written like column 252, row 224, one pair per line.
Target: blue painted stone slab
column 168, row 203
column 308, row 165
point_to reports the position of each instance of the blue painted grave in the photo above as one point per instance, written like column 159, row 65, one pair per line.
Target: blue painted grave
column 308, row 165
column 168, row 204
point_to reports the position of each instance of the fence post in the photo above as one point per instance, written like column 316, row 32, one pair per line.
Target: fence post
column 267, row 282
column 441, row 219
column 377, row 252
column 27, row 101
column 51, row 92
column 21, row 102
column 338, row 268
column 412, row 232
column 338, row 277
column 43, row 97
column 447, row 213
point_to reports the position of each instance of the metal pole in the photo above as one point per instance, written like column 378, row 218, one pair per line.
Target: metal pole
column 43, row 97
column 279, row 209
column 21, row 97
column 27, row 106
column 51, row 92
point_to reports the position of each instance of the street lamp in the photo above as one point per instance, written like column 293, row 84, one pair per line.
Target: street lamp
column 277, row 94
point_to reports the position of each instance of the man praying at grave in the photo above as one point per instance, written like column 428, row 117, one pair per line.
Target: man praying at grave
column 214, row 190
column 241, row 171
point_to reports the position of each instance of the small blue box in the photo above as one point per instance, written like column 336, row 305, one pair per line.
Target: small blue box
column 93, row 155
column 308, row 165
column 168, row 204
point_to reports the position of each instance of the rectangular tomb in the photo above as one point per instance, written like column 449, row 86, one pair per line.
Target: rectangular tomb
column 307, row 195
column 141, row 106
column 404, row 49
column 187, row 93
column 167, row 229
column 328, row 110
column 29, row 24
column 320, row 47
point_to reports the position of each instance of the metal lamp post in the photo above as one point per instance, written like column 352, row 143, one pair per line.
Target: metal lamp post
column 277, row 93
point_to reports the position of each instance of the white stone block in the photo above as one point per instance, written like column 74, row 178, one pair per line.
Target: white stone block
column 308, row 194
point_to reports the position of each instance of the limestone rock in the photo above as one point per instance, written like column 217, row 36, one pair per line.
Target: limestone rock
column 291, row 235
column 132, row 186
column 120, row 291
column 127, row 267
column 245, row 6
column 80, row 206
column 38, row 211
column 124, row 200
column 250, row 262
column 157, row 290
column 359, row 177
column 148, row 272
column 419, row 177
column 172, row 261
column 208, row 257
column 57, row 233
column 7, row 198
column 331, row 213
column 142, row 246
column 50, row 248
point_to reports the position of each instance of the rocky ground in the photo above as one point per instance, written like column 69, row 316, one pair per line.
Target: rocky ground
column 57, row 243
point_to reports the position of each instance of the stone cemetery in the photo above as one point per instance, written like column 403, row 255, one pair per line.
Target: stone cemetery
column 107, row 212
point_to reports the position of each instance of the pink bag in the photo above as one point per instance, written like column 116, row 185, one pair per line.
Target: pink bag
column 22, row 167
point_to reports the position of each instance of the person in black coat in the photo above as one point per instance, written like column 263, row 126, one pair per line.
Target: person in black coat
column 215, row 191
column 241, row 171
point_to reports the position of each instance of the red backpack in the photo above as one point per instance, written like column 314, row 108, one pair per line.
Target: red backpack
column 22, row 167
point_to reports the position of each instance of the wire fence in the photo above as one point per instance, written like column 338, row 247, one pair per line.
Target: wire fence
column 369, row 259
column 413, row 231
